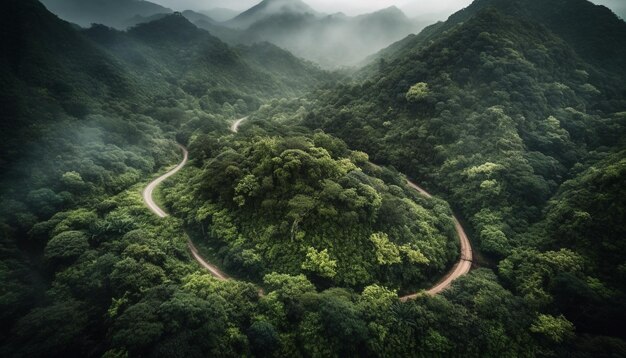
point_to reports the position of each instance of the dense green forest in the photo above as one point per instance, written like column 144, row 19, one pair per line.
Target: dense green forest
column 307, row 204
column 512, row 112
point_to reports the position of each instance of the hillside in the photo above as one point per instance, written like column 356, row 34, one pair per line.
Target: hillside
column 50, row 72
column 497, row 112
column 599, row 36
column 174, row 51
column 110, row 12
column 308, row 205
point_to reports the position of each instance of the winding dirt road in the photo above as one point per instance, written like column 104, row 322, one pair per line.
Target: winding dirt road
column 462, row 266
column 149, row 201
column 149, row 190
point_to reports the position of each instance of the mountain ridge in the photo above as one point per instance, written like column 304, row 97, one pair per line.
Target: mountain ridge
column 109, row 12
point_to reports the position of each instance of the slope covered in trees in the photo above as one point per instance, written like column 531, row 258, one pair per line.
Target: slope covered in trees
column 497, row 123
column 308, row 205
column 114, row 13
column 498, row 112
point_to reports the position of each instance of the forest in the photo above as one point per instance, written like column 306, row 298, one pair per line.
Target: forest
column 511, row 113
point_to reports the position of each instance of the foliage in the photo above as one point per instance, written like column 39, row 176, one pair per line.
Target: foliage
column 285, row 204
column 520, row 128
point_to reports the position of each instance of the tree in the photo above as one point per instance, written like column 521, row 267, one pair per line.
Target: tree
column 342, row 322
column 320, row 263
column 53, row 330
column 73, row 182
column 556, row 329
column 387, row 253
column 134, row 277
column 66, row 247
column 418, row 92
column 138, row 328
column 264, row 340
column 288, row 287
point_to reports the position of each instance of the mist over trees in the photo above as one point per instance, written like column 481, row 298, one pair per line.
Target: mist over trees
column 331, row 40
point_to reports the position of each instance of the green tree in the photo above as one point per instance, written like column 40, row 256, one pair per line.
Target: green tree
column 66, row 247
column 418, row 92
column 320, row 263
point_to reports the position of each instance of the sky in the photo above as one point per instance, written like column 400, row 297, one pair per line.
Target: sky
column 412, row 8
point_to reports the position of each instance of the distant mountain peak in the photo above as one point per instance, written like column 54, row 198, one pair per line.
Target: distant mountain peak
column 392, row 8
column 268, row 8
column 170, row 27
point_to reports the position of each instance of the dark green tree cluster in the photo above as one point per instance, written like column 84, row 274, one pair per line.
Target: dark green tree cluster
column 308, row 204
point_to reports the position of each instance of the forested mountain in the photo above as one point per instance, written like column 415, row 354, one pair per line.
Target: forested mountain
column 49, row 72
column 329, row 40
column 111, row 12
column 173, row 50
column 87, row 115
column 599, row 36
column 52, row 71
column 332, row 40
column 508, row 112
column 296, row 234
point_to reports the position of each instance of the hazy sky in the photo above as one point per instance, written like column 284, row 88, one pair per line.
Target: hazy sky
column 353, row 7
column 350, row 7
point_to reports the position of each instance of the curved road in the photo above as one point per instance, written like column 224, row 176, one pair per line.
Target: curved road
column 462, row 266
column 149, row 201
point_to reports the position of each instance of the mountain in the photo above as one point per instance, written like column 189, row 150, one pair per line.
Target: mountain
column 330, row 40
column 269, row 8
column 513, row 111
column 49, row 71
column 175, row 50
column 192, row 16
column 113, row 13
column 599, row 36
column 226, row 34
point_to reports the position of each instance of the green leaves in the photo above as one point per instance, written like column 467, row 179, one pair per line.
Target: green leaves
column 556, row 329
column 387, row 253
column 66, row 247
column 320, row 263
column 417, row 92
column 285, row 204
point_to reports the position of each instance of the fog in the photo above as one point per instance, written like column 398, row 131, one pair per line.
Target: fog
column 330, row 41
column 354, row 7
column 348, row 7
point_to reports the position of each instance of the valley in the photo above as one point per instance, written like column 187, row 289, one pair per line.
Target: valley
column 279, row 179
